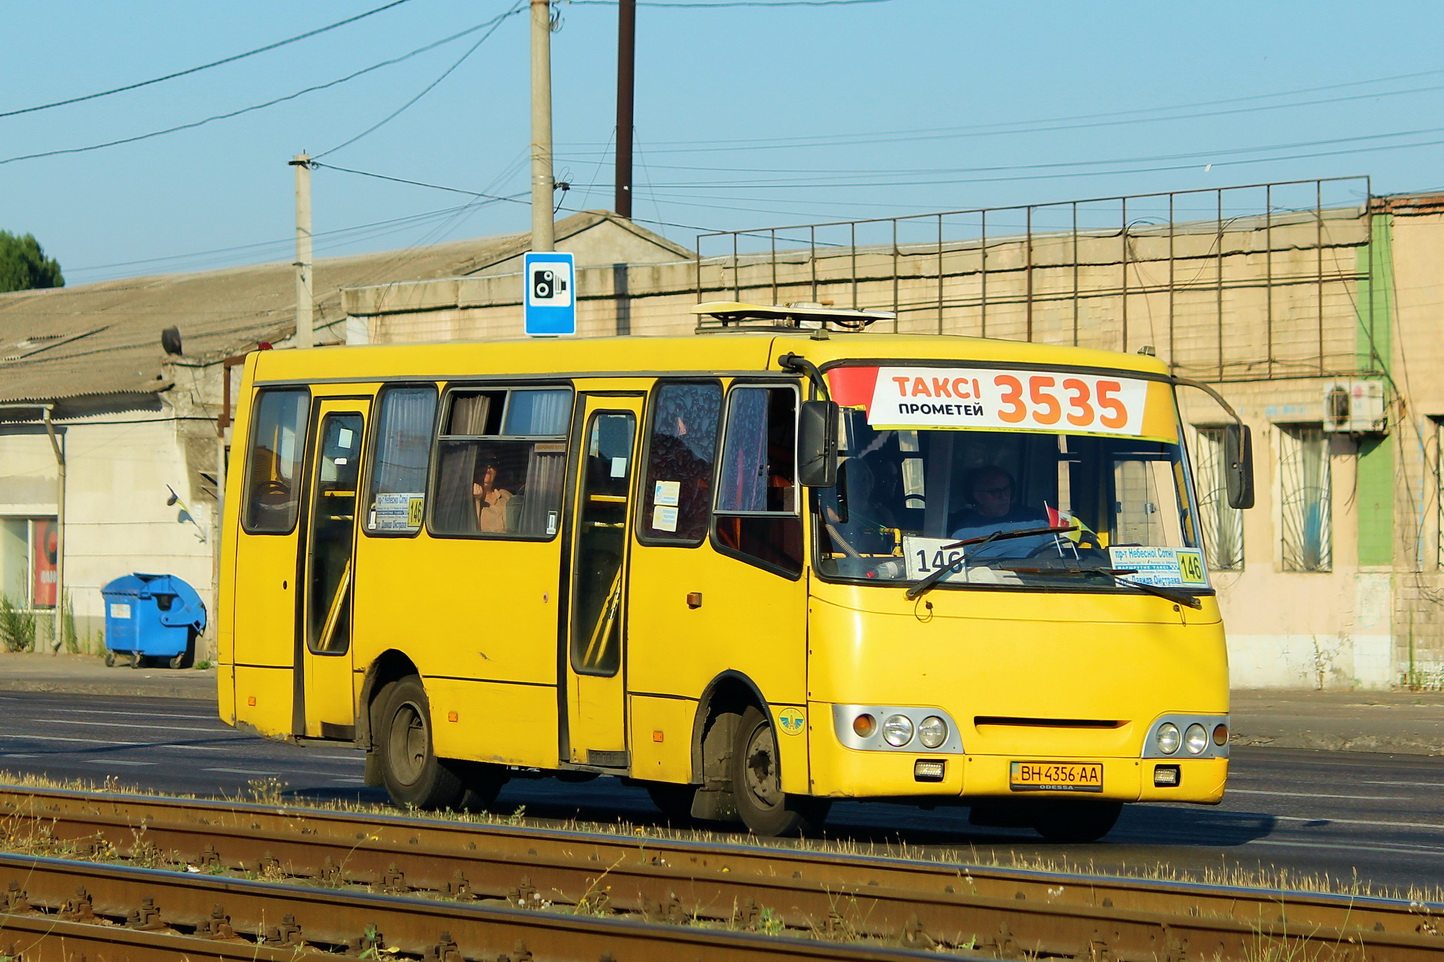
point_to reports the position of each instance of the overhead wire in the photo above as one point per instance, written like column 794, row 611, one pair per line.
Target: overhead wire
column 205, row 66
column 260, row 106
column 495, row 25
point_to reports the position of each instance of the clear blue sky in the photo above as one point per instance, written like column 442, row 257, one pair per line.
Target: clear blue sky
column 749, row 113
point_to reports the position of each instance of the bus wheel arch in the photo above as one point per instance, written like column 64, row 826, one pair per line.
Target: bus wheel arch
column 714, row 729
column 735, row 751
column 756, row 777
column 388, row 667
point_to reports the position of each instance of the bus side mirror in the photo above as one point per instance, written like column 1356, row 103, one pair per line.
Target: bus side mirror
column 817, row 444
column 1238, row 465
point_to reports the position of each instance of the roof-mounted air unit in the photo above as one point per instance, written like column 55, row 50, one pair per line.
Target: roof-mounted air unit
column 1355, row 406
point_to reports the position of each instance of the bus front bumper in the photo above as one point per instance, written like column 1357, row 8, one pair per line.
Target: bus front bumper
column 842, row 772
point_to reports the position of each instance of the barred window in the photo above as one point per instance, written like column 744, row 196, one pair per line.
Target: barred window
column 1222, row 525
column 1305, row 497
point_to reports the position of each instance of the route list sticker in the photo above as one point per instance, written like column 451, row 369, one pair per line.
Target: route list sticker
column 990, row 399
column 1160, row 566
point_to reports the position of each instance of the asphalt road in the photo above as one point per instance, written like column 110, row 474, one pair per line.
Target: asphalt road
column 1290, row 813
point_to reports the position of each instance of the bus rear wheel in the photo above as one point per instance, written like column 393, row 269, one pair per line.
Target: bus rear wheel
column 412, row 773
column 1076, row 822
column 756, row 782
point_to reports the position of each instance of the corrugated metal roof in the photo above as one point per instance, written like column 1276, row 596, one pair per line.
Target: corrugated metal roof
column 103, row 340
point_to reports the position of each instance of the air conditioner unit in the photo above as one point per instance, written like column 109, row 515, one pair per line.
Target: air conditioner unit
column 1355, row 406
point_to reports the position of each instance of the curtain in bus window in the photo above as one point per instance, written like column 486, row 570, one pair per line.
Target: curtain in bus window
column 277, row 446
column 756, row 510
column 744, row 485
column 454, row 511
column 536, row 507
column 538, row 413
column 403, row 445
column 1222, row 525
column 1305, row 495
column 677, row 489
column 469, row 413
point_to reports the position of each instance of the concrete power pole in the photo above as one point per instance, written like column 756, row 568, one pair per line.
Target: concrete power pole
column 543, row 232
column 304, row 296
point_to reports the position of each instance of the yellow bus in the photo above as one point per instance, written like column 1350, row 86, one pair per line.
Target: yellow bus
column 754, row 570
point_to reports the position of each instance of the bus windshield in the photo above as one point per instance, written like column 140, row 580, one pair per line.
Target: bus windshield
column 1020, row 508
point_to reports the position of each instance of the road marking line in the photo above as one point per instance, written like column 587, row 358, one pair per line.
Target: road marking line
column 1356, row 798
column 200, row 748
column 130, row 726
column 121, row 761
column 242, row 771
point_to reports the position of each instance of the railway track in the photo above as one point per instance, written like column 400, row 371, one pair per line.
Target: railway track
column 535, row 877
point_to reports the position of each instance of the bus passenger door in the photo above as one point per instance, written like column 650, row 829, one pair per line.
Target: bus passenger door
column 595, row 725
column 326, row 704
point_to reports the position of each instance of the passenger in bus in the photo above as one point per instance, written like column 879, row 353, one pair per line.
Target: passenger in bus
column 488, row 499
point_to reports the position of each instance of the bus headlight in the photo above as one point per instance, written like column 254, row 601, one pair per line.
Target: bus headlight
column 897, row 730
column 1196, row 738
column 933, row 731
column 1168, row 738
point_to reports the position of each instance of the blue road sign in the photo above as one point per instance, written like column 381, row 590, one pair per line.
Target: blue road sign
column 551, row 304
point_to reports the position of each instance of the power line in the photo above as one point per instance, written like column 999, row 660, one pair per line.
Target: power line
column 419, row 183
column 725, row 3
column 204, row 66
column 261, row 106
column 1084, row 121
column 496, row 24
column 832, row 177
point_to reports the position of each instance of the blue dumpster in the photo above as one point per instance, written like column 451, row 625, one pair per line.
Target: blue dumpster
column 151, row 616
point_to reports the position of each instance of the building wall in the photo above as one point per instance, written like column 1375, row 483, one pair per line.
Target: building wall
column 118, row 465
column 1272, row 311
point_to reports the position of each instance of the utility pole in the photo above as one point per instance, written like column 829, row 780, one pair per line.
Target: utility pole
column 626, row 87
column 304, row 297
column 543, row 232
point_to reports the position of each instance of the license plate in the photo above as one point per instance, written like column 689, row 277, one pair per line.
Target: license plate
column 1057, row 776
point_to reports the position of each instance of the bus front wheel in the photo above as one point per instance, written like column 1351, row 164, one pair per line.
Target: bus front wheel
column 412, row 773
column 765, row 809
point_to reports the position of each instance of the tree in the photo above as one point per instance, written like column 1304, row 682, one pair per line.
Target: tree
column 24, row 266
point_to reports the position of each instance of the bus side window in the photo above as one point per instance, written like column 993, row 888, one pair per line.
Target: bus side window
column 501, row 461
column 403, row 446
column 681, row 454
column 757, row 497
column 277, row 446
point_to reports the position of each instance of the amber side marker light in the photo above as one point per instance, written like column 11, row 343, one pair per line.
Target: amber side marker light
column 1220, row 735
column 864, row 725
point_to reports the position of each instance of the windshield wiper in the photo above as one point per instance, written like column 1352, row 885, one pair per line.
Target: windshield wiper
column 1168, row 594
column 917, row 589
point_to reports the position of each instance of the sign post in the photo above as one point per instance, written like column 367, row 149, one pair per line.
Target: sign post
column 551, row 305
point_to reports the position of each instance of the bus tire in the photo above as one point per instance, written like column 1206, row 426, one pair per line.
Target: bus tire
column 412, row 773
column 757, row 784
column 1076, row 821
